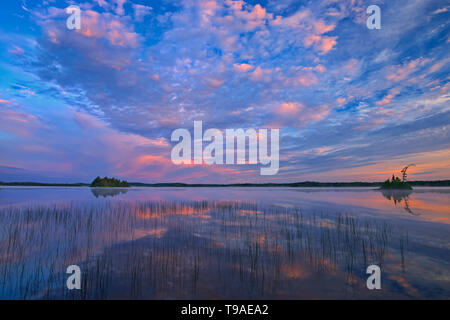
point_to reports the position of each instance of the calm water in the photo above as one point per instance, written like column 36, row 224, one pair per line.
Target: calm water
column 224, row 243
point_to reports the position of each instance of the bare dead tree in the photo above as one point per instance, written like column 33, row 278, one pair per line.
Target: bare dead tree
column 403, row 171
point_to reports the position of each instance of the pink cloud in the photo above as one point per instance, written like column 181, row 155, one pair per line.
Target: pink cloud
column 109, row 27
column 320, row 68
column 401, row 72
column 316, row 114
column 310, row 29
column 389, row 97
column 110, row 136
column 289, row 108
column 327, row 44
column 260, row 74
column 368, row 124
column 16, row 116
column 229, row 43
column 306, row 79
column 320, row 27
column 87, row 122
column 322, row 43
column 294, row 21
column 297, row 114
column 18, row 123
column 437, row 66
column 304, row 76
column 341, row 101
column 254, row 18
column 215, row 82
column 16, row 51
column 351, row 66
column 347, row 71
column 94, row 25
column 207, row 11
column 151, row 159
column 243, row 67
column 277, row 21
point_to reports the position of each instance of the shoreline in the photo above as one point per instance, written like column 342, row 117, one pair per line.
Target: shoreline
column 306, row 184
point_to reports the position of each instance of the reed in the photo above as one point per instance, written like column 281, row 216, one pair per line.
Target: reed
column 185, row 249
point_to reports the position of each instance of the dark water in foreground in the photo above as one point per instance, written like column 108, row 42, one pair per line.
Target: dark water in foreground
column 224, row 243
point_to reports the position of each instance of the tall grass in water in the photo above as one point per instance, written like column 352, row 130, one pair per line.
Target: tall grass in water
column 176, row 249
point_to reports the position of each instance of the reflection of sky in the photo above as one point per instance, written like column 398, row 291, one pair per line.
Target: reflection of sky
column 184, row 242
column 429, row 204
column 352, row 103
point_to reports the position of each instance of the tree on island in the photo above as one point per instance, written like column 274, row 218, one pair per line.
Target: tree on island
column 109, row 182
column 403, row 171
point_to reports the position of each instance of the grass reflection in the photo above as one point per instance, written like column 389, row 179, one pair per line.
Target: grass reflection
column 191, row 249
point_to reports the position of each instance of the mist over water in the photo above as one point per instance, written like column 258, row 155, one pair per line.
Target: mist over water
column 257, row 243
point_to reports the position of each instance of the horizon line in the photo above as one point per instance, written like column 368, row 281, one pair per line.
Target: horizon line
column 218, row 184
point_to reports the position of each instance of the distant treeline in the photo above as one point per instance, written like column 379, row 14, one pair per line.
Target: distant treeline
column 295, row 184
column 437, row 183
column 40, row 184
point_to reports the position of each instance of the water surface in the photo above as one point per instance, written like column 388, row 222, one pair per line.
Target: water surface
column 224, row 243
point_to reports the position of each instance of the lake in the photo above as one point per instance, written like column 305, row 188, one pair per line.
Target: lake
column 224, row 243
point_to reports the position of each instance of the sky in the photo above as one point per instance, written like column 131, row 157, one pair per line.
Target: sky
column 351, row 103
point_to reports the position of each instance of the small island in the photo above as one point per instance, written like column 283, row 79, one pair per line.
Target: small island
column 395, row 183
column 109, row 183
